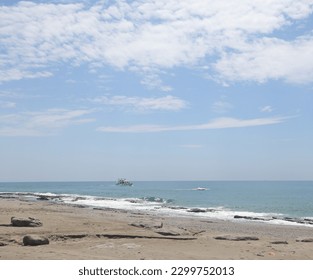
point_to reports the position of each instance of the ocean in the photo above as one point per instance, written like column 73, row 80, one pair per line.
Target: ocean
column 277, row 202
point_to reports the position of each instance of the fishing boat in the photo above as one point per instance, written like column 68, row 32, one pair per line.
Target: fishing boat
column 123, row 182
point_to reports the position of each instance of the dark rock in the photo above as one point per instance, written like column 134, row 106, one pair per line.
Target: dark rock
column 279, row 242
column 305, row 240
column 295, row 220
column 3, row 244
column 177, row 207
column 25, row 222
column 250, row 218
column 35, row 240
column 237, row 238
column 197, row 210
column 42, row 197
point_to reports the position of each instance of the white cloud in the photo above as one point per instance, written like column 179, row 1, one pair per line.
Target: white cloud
column 152, row 80
column 234, row 38
column 266, row 109
column 41, row 123
column 19, row 74
column 167, row 103
column 270, row 58
column 220, row 123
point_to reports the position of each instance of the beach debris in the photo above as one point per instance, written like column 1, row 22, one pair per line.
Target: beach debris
column 147, row 226
column 35, row 240
column 198, row 232
column 126, row 236
column 167, row 233
column 25, row 222
column 305, row 240
column 237, row 238
column 279, row 242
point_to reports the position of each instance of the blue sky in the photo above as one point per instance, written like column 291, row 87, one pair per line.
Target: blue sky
column 156, row 90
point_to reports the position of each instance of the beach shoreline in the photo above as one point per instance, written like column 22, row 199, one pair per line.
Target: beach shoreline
column 109, row 234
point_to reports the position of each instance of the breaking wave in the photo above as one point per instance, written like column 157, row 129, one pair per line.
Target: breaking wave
column 157, row 205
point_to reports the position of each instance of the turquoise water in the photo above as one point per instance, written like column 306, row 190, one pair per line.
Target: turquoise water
column 228, row 198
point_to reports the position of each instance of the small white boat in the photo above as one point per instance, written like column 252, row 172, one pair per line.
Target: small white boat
column 124, row 182
column 200, row 189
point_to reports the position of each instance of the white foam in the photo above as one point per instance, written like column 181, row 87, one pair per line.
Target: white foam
column 160, row 207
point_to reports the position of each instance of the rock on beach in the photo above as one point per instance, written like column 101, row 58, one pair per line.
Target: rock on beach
column 25, row 222
column 35, row 240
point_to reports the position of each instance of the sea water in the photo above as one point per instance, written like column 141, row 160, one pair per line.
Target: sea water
column 280, row 202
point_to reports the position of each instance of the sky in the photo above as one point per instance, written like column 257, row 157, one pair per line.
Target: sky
column 156, row 90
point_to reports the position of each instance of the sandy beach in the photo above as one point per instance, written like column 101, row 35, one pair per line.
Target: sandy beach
column 86, row 233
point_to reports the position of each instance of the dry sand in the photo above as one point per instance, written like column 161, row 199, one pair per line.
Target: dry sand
column 85, row 233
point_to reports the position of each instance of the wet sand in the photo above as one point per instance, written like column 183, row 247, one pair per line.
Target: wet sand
column 86, row 233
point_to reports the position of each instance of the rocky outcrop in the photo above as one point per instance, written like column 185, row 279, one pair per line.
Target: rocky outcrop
column 35, row 240
column 251, row 218
column 43, row 197
column 197, row 210
column 298, row 220
column 287, row 219
column 25, row 222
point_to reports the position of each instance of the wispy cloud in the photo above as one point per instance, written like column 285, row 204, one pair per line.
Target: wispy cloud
column 266, row 109
column 7, row 104
column 41, row 123
column 219, row 123
column 232, row 39
column 167, row 103
column 221, row 107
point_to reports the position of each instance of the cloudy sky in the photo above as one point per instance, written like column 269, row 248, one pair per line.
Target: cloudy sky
column 156, row 90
